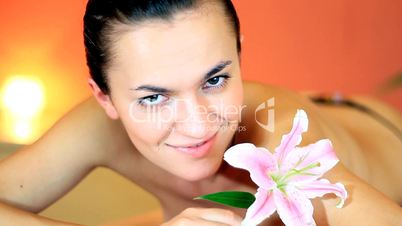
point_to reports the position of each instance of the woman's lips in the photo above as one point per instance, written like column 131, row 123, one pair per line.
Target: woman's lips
column 198, row 150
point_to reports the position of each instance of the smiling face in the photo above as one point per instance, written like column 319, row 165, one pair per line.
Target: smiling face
column 176, row 84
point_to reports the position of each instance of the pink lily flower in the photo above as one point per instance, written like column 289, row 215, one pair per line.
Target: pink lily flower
column 288, row 178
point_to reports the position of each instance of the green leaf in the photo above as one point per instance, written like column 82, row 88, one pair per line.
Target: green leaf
column 236, row 199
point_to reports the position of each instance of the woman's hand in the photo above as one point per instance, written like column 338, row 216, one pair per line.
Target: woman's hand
column 205, row 216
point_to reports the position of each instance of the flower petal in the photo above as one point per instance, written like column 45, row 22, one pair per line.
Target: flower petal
column 258, row 161
column 294, row 208
column 321, row 153
column 262, row 208
column 321, row 187
column 293, row 138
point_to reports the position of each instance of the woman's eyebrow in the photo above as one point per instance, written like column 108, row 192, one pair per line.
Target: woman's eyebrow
column 151, row 88
column 217, row 69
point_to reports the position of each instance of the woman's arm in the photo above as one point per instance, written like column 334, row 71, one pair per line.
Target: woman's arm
column 37, row 175
column 13, row 216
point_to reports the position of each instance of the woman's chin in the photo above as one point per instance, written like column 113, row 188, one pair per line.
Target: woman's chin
column 199, row 172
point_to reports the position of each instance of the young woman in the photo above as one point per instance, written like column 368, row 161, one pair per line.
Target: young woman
column 169, row 100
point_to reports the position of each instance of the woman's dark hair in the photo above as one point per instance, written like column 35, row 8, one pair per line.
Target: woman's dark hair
column 102, row 16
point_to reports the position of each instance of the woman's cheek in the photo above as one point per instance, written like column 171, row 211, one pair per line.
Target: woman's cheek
column 145, row 126
column 231, row 106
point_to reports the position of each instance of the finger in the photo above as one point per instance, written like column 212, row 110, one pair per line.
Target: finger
column 186, row 221
column 221, row 216
column 205, row 222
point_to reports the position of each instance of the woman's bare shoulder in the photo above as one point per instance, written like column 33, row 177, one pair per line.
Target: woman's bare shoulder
column 108, row 136
column 102, row 134
column 284, row 104
column 261, row 99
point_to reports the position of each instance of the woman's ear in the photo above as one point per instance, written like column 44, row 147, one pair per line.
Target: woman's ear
column 241, row 38
column 103, row 99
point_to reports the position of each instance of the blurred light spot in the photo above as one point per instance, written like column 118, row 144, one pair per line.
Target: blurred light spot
column 22, row 130
column 23, row 97
column 22, row 102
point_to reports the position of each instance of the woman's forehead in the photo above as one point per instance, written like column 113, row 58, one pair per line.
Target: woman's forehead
column 190, row 43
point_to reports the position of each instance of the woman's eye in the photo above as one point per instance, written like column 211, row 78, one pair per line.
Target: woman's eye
column 216, row 82
column 152, row 100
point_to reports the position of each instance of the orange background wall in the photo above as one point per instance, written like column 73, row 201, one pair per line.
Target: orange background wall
column 342, row 45
column 349, row 46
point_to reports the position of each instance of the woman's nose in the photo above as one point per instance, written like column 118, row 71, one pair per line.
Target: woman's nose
column 193, row 118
